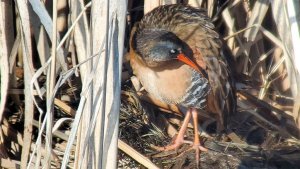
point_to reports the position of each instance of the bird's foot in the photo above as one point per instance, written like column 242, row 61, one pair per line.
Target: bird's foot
column 179, row 140
column 176, row 143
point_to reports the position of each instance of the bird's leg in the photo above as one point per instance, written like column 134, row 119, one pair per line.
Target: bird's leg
column 179, row 140
column 191, row 113
column 197, row 145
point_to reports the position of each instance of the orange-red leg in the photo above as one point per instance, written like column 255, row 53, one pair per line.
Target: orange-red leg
column 180, row 136
column 191, row 113
column 197, row 145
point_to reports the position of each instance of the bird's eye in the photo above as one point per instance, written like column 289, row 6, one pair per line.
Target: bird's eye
column 173, row 51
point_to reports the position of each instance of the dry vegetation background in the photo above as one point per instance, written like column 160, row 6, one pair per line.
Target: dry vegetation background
column 73, row 105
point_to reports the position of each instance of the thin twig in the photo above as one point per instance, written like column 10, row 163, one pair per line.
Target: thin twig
column 136, row 155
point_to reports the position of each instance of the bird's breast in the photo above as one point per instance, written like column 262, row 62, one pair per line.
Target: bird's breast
column 174, row 84
column 168, row 85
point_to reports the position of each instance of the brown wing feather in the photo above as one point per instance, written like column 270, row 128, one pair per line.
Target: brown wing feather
column 206, row 46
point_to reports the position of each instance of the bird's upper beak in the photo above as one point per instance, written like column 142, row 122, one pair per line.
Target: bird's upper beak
column 187, row 61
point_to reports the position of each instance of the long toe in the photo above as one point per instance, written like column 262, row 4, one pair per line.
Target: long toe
column 198, row 149
column 201, row 148
column 197, row 156
column 175, row 145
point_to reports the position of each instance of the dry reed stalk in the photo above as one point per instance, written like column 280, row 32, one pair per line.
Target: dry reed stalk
column 81, row 33
column 28, row 68
column 6, row 44
column 151, row 4
column 88, row 126
column 111, row 82
column 40, row 10
column 258, row 14
column 51, row 80
column 39, row 72
column 292, row 40
column 196, row 3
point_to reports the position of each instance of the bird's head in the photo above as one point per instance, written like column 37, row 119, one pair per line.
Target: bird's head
column 158, row 47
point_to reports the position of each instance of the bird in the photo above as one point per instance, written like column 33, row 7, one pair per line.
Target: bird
column 176, row 55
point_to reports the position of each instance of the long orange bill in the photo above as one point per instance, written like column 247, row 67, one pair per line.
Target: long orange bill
column 187, row 61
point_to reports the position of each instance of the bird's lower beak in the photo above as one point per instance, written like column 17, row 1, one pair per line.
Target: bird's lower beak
column 187, row 61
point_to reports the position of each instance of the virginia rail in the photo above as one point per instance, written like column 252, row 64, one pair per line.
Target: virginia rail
column 175, row 53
